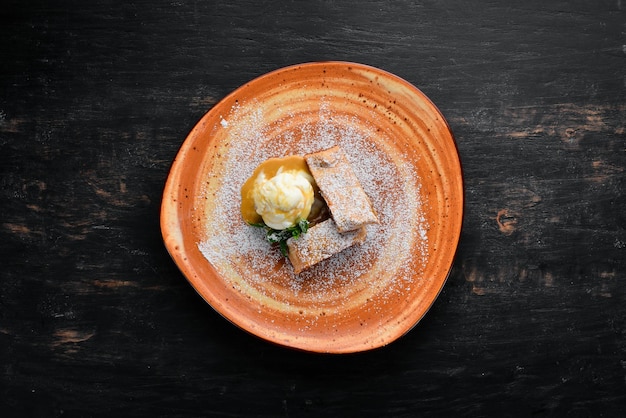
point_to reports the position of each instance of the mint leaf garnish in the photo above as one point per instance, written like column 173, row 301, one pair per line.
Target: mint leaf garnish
column 280, row 236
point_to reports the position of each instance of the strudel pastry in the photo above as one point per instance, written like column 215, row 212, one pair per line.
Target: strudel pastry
column 348, row 203
column 321, row 242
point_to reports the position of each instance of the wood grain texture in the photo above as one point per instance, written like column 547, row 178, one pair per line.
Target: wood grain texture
column 95, row 100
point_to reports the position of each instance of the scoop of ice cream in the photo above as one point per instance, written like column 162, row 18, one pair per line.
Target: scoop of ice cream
column 284, row 199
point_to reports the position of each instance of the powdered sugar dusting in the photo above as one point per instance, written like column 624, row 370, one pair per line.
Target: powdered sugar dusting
column 381, row 268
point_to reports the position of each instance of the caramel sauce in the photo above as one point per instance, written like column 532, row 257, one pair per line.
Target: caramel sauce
column 269, row 168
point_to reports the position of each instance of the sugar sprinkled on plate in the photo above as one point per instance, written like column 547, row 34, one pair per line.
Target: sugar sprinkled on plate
column 379, row 268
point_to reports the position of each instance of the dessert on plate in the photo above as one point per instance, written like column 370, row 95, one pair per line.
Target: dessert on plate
column 313, row 207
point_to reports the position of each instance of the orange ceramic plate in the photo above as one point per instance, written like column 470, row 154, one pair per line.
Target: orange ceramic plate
column 404, row 154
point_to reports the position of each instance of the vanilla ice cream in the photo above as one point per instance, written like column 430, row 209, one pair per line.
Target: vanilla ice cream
column 284, row 199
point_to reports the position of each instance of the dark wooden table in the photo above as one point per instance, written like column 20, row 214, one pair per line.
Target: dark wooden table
column 95, row 101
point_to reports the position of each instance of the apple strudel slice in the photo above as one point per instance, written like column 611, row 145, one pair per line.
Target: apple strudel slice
column 348, row 203
column 321, row 241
